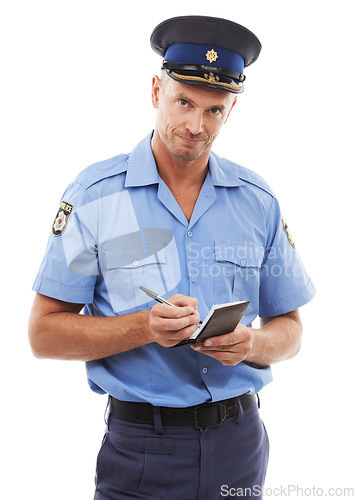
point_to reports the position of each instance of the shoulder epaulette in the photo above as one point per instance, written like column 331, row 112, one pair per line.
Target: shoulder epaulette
column 253, row 178
column 249, row 176
column 102, row 170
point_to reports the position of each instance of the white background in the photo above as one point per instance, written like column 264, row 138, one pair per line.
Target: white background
column 76, row 89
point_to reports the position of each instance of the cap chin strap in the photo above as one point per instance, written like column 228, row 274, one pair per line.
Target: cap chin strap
column 209, row 80
column 238, row 77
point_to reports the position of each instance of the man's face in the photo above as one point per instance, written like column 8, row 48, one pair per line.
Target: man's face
column 189, row 117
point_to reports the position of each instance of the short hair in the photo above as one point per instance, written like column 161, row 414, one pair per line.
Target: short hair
column 164, row 78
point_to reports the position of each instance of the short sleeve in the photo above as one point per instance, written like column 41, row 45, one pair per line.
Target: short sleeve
column 69, row 268
column 284, row 282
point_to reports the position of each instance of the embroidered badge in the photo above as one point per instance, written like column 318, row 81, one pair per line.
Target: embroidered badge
column 211, row 78
column 211, row 56
column 287, row 231
column 62, row 218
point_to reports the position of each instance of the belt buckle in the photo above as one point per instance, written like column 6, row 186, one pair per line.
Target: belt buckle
column 222, row 414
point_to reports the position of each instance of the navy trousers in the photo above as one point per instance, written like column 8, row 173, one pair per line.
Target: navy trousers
column 152, row 462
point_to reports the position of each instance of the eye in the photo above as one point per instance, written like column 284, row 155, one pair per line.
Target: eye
column 183, row 102
column 215, row 111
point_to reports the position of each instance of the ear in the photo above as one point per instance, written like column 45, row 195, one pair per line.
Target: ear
column 229, row 112
column 156, row 86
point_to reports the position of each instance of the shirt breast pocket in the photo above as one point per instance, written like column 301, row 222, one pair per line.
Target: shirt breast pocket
column 238, row 277
column 127, row 267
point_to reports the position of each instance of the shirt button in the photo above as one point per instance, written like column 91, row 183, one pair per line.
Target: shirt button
column 193, row 279
column 204, row 370
column 242, row 262
column 189, row 234
column 135, row 262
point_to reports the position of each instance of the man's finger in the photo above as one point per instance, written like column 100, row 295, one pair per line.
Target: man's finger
column 184, row 300
column 238, row 336
column 165, row 311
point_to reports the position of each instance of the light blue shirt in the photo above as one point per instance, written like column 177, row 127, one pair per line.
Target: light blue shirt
column 120, row 228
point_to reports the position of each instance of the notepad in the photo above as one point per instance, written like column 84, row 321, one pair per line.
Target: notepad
column 221, row 319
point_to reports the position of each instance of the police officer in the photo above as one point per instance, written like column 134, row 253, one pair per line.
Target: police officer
column 175, row 218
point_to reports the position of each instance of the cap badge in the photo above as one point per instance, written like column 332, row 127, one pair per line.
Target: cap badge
column 211, row 56
column 211, row 78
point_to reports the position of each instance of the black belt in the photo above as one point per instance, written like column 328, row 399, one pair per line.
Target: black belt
column 200, row 416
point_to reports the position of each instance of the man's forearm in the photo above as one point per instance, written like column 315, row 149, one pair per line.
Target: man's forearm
column 278, row 339
column 73, row 336
column 58, row 331
column 65, row 334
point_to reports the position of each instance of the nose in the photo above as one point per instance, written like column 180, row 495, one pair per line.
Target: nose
column 195, row 124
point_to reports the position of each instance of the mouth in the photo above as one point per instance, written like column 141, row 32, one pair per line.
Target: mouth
column 190, row 142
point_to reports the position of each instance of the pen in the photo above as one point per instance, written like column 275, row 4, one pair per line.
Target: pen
column 156, row 297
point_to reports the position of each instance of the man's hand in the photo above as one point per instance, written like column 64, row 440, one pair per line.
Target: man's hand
column 169, row 325
column 229, row 349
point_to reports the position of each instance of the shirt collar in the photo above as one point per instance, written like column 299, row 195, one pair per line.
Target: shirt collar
column 142, row 170
column 223, row 173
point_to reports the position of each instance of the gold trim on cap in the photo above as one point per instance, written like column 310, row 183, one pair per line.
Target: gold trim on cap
column 207, row 80
column 211, row 78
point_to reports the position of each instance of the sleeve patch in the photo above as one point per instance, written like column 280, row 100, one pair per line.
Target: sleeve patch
column 62, row 218
column 287, row 231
